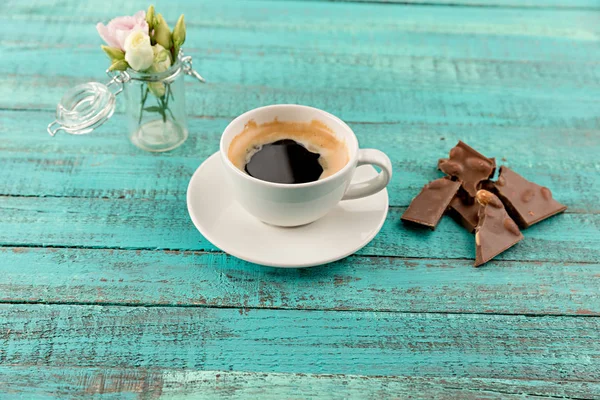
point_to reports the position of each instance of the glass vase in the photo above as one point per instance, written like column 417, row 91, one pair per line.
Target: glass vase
column 155, row 105
column 156, row 117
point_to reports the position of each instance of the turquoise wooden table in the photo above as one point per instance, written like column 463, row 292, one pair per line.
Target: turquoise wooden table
column 108, row 291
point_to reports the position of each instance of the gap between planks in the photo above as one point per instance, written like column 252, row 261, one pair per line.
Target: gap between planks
column 283, row 308
column 228, row 383
column 24, row 109
column 504, row 392
column 192, row 251
column 123, row 197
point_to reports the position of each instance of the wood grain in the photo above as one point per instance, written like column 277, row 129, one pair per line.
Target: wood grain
column 197, row 6
column 431, row 74
column 105, row 164
column 475, row 346
column 447, row 66
column 153, row 383
column 464, row 102
column 134, row 224
column 142, row 306
column 168, row 278
column 298, row 12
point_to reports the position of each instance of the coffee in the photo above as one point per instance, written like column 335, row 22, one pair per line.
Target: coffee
column 288, row 152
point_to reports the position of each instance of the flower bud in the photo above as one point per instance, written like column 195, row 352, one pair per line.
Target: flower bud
column 178, row 35
column 162, row 33
column 157, row 88
column 150, row 18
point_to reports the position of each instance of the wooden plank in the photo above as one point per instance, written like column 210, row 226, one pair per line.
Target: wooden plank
column 198, row 6
column 480, row 108
column 474, row 346
column 296, row 69
column 105, row 164
column 561, row 4
column 134, row 224
column 287, row 16
column 125, row 383
column 478, row 102
column 455, row 101
column 433, row 90
column 512, row 70
column 358, row 283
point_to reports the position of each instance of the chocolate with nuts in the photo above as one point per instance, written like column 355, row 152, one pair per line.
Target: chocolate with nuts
column 527, row 202
column 428, row 206
column 464, row 213
column 469, row 166
column 496, row 231
column 474, row 205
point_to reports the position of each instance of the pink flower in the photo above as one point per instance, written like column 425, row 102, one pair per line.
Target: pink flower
column 117, row 30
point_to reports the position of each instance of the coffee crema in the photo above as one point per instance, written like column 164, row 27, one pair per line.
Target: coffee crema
column 287, row 151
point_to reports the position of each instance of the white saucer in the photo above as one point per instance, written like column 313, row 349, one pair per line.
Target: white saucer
column 344, row 230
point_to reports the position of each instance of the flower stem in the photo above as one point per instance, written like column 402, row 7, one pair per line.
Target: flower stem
column 161, row 108
column 168, row 94
column 144, row 97
column 171, row 112
column 162, row 101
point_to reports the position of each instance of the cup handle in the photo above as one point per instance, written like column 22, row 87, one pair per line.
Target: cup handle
column 373, row 185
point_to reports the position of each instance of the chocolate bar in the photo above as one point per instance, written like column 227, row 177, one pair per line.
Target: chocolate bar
column 428, row 206
column 492, row 159
column 469, row 166
column 464, row 209
column 472, row 202
column 496, row 231
column 526, row 202
column 464, row 213
column 440, row 162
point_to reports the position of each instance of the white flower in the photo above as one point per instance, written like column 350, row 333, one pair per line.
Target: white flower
column 138, row 51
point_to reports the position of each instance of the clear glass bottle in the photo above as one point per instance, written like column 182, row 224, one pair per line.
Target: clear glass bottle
column 156, row 109
column 155, row 106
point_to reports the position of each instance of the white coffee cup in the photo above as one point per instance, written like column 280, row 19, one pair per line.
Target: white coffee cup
column 298, row 204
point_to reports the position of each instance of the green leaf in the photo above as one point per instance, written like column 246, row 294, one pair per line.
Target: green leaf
column 154, row 109
column 113, row 53
column 118, row 65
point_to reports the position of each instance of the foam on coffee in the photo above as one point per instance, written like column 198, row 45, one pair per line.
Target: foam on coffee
column 315, row 136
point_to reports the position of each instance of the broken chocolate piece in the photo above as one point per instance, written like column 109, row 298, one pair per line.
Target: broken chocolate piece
column 487, row 185
column 496, row 231
column 482, row 184
column 429, row 205
column 526, row 202
column 469, row 166
column 493, row 160
column 464, row 213
column 441, row 161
